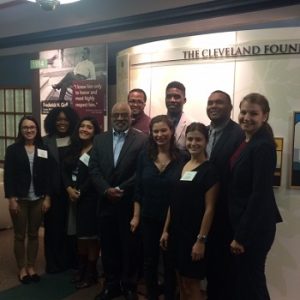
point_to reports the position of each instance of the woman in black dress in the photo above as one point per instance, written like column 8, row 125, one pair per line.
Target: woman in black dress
column 82, row 200
column 59, row 250
column 191, row 214
column 252, row 208
column 157, row 171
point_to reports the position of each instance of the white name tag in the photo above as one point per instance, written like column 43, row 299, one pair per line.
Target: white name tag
column 85, row 158
column 188, row 176
column 42, row 153
column 63, row 142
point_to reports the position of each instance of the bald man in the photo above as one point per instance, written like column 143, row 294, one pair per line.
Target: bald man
column 112, row 167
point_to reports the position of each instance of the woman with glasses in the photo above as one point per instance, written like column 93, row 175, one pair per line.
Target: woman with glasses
column 26, row 188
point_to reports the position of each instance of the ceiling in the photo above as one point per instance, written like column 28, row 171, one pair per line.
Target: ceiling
column 25, row 27
column 21, row 16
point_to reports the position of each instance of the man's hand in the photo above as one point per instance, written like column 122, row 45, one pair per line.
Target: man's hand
column 114, row 194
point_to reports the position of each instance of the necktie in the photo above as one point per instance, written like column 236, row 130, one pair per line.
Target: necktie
column 211, row 142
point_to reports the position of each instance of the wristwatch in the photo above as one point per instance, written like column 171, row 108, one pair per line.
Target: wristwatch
column 202, row 238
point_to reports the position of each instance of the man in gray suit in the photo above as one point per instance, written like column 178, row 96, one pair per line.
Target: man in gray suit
column 224, row 138
column 112, row 167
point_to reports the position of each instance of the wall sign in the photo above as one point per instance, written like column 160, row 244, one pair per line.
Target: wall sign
column 229, row 51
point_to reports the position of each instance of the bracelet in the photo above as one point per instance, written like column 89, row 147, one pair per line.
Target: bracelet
column 202, row 238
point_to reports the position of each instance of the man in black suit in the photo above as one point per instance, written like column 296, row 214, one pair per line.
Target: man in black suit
column 112, row 167
column 224, row 137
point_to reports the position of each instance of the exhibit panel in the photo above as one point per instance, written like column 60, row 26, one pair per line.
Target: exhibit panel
column 199, row 82
column 75, row 77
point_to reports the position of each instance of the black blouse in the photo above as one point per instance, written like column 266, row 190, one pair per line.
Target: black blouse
column 153, row 187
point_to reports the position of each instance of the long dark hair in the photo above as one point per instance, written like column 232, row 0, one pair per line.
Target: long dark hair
column 262, row 101
column 20, row 138
column 76, row 143
column 50, row 121
column 152, row 146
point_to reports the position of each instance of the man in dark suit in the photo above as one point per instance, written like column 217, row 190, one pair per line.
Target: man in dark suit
column 224, row 137
column 112, row 167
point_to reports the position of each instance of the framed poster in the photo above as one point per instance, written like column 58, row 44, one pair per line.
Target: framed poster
column 295, row 161
column 75, row 77
column 278, row 170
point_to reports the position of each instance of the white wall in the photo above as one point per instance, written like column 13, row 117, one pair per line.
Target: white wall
column 277, row 77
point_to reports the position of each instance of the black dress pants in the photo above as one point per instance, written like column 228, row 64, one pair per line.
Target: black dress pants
column 55, row 237
column 250, row 269
column 118, row 251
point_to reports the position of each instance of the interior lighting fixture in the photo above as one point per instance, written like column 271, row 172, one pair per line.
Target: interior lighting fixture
column 51, row 4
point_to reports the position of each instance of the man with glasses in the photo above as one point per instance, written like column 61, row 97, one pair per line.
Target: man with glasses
column 137, row 100
column 112, row 166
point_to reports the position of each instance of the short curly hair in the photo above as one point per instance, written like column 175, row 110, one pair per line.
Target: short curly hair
column 50, row 121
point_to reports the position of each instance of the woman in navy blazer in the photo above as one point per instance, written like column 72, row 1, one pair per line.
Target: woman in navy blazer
column 26, row 188
column 252, row 207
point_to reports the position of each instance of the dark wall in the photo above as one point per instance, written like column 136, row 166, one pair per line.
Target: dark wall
column 15, row 72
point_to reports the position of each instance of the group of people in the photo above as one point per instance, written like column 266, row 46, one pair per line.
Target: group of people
column 199, row 196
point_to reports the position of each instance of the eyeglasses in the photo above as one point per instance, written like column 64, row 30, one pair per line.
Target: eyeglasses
column 137, row 102
column 28, row 128
column 120, row 115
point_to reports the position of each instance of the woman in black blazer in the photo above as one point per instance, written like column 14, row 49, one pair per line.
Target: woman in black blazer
column 252, row 207
column 59, row 250
column 26, row 188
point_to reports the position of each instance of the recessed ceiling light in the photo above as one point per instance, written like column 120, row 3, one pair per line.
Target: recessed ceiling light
column 60, row 1
column 51, row 4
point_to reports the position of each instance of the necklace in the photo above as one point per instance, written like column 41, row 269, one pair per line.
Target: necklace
column 161, row 164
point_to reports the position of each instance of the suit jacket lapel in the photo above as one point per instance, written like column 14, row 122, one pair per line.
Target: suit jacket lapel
column 221, row 142
column 53, row 148
column 244, row 153
column 110, row 148
column 22, row 152
column 180, row 127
